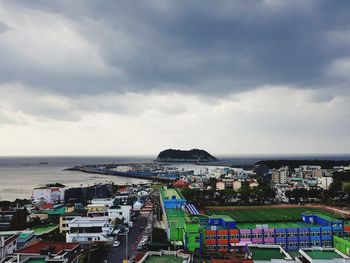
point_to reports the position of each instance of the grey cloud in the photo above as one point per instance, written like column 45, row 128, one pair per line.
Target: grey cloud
column 322, row 97
column 3, row 27
column 219, row 47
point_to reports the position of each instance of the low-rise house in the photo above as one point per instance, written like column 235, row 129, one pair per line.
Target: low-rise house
column 25, row 237
column 57, row 252
column 50, row 215
column 236, row 185
column 7, row 245
column 69, row 216
column 85, row 229
column 220, row 185
column 44, row 230
column 97, row 210
column 122, row 197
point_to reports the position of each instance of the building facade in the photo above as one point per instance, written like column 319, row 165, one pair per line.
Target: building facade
column 48, row 194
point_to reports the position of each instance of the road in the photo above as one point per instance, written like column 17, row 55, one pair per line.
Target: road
column 117, row 254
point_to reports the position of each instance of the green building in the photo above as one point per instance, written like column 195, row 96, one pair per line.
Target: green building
column 342, row 244
column 182, row 228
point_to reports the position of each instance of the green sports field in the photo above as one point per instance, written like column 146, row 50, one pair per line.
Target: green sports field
column 268, row 214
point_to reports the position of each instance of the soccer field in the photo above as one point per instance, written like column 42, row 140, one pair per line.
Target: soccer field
column 266, row 214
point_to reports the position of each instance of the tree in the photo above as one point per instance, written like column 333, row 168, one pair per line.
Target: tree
column 245, row 192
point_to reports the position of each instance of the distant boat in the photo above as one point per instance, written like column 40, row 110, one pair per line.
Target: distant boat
column 24, row 163
column 43, row 163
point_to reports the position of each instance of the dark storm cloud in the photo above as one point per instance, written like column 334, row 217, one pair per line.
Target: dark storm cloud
column 206, row 47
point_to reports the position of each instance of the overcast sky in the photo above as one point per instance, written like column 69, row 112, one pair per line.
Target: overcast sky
column 135, row 77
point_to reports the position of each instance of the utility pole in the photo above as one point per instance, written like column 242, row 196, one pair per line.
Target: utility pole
column 126, row 245
column 126, row 234
column 89, row 255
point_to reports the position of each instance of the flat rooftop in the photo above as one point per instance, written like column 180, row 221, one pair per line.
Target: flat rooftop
column 266, row 253
column 25, row 234
column 163, row 259
column 324, row 216
column 35, row 260
column 40, row 230
column 168, row 193
column 298, row 224
column 322, row 254
column 225, row 217
column 177, row 216
column 90, row 220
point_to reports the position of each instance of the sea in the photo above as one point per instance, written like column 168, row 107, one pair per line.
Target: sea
column 19, row 175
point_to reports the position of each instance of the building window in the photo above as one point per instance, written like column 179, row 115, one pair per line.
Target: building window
column 245, row 235
column 281, row 234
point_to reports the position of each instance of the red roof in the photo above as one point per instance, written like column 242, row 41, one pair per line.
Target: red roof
column 10, row 239
column 37, row 247
column 47, row 206
column 180, row 184
column 123, row 189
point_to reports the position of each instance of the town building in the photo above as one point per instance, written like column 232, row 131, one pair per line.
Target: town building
column 54, row 252
column 48, row 194
column 82, row 194
column 342, row 243
column 122, row 212
column 13, row 219
column 322, row 255
column 221, row 234
column 236, row 185
column 86, row 229
column 268, row 254
column 25, row 238
column 281, row 175
column 122, row 197
column 220, row 185
column 7, row 245
column 325, row 182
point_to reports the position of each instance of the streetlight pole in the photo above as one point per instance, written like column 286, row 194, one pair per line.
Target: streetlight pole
column 126, row 234
column 126, row 245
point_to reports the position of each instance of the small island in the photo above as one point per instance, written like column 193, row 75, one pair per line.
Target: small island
column 194, row 155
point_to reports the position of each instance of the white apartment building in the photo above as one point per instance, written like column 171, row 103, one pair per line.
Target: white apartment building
column 48, row 194
column 325, row 181
column 123, row 211
column 86, row 229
